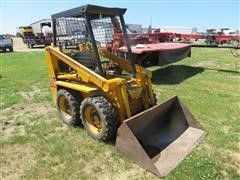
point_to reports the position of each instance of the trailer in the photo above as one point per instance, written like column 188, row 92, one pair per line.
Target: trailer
column 189, row 37
column 221, row 39
column 180, row 30
column 42, row 33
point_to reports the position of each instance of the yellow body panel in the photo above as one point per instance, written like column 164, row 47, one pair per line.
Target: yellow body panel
column 125, row 93
column 79, row 87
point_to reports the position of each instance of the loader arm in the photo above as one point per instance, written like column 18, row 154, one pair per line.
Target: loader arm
column 87, row 75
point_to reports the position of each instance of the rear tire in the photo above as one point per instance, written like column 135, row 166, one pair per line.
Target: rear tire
column 68, row 107
column 99, row 118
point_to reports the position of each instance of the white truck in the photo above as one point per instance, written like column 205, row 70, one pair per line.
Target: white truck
column 6, row 43
column 43, row 27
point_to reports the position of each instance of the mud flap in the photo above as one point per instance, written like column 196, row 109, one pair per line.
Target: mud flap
column 159, row 138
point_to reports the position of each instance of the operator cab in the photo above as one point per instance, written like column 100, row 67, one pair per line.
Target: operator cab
column 84, row 32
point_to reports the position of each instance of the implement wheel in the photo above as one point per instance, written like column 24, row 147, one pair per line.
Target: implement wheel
column 68, row 107
column 99, row 118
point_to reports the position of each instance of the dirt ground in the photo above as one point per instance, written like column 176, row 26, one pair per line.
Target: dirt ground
column 18, row 45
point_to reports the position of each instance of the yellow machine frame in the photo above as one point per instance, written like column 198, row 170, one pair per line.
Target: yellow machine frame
column 126, row 94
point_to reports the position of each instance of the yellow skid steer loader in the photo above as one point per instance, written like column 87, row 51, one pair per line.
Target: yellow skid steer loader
column 94, row 85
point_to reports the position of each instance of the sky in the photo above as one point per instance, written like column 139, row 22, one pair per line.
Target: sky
column 202, row 14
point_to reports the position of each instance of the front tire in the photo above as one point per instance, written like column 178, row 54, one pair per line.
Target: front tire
column 68, row 106
column 99, row 118
column 10, row 49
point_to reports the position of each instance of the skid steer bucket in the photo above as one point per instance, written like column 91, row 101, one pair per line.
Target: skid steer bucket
column 160, row 137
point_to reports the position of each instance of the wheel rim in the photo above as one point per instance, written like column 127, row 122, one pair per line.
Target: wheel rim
column 65, row 108
column 93, row 120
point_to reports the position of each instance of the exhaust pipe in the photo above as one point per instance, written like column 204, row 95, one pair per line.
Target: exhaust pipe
column 159, row 138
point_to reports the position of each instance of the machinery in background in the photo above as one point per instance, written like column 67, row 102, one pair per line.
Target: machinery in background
column 220, row 38
column 152, row 48
column 147, row 49
column 110, row 95
column 211, row 37
column 38, row 33
column 25, row 32
column 42, row 31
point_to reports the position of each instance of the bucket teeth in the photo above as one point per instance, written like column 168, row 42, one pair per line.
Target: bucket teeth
column 159, row 138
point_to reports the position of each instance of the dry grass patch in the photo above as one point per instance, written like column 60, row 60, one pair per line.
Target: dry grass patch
column 17, row 116
column 15, row 160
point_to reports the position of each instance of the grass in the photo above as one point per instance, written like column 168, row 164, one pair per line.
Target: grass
column 35, row 143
